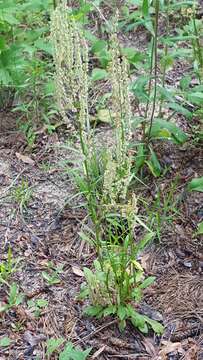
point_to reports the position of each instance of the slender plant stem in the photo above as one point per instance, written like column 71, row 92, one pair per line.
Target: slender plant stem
column 165, row 54
column 150, row 82
column 155, row 66
column 197, row 49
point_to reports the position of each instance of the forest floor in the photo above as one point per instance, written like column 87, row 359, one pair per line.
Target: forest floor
column 44, row 236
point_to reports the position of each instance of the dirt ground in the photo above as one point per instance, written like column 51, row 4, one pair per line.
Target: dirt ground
column 48, row 232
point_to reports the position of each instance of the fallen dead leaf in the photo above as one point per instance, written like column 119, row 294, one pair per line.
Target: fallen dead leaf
column 98, row 352
column 77, row 271
column 33, row 340
column 24, row 158
column 191, row 354
column 150, row 349
column 169, row 347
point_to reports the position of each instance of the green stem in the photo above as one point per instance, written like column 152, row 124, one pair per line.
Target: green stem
column 198, row 49
column 165, row 54
column 155, row 66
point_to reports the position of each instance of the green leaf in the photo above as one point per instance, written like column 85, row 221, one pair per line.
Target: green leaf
column 176, row 134
column 93, row 310
column 13, row 294
column 42, row 303
column 149, row 26
column 138, row 320
column 122, row 325
column 196, row 184
column 110, row 310
column 140, row 157
column 104, row 116
column 5, row 341
column 132, row 55
column 99, row 74
column 146, row 239
column 167, row 62
column 147, row 282
column 9, row 18
column 137, row 294
column 153, row 164
column 155, row 325
column 44, row 45
column 180, row 109
column 145, row 8
column 185, row 82
column 70, row 353
column 98, row 46
column 196, row 98
column 122, row 312
column 53, row 345
column 2, row 44
column 200, row 228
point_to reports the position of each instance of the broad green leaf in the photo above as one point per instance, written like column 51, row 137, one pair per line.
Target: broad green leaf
column 2, row 43
column 98, row 46
column 44, row 45
column 196, row 184
column 144, row 328
column 147, row 282
column 133, row 55
column 145, row 8
column 138, row 320
column 196, row 98
column 185, row 82
column 5, row 341
column 89, row 275
column 122, row 312
column 149, row 26
column 137, row 265
column 140, row 157
column 167, row 62
column 105, row 116
column 155, row 325
column 93, row 310
column 9, row 18
column 42, row 303
column 122, row 325
column 110, row 310
column 200, row 228
column 180, row 109
column 99, row 74
column 139, row 88
column 176, row 134
column 71, row 353
column 153, row 164
column 137, row 294
column 53, row 345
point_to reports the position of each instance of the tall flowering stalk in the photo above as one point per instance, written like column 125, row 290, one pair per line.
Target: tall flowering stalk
column 71, row 64
column 121, row 105
column 118, row 170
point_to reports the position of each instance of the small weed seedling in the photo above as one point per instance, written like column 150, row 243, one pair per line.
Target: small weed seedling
column 52, row 275
column 15, row 298
column 22, row 195
column 37, row 306
column 68, row 353
column 8, row 267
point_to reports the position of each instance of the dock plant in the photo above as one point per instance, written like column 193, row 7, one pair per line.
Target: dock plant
column 105, row 176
